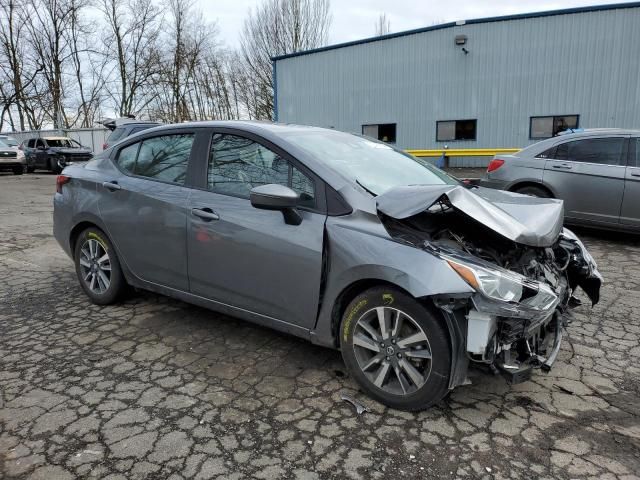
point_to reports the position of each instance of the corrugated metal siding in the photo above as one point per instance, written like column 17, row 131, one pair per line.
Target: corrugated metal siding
column 584, row 63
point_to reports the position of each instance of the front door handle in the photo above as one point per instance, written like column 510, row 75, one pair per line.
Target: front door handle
column 205, row 213
column 563, row 167
column 111, row 186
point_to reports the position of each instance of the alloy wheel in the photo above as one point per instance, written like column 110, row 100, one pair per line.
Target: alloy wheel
column 95, row 266
column 392, row 350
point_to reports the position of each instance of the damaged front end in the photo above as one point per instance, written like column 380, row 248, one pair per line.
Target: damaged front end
column 522, row 265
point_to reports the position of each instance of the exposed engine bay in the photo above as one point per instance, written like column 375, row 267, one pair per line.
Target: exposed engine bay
column 524, row 293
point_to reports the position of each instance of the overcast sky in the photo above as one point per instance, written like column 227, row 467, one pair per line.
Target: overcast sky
column 355, row 19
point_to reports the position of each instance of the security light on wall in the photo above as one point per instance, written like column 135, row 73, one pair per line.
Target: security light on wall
column 460, row 41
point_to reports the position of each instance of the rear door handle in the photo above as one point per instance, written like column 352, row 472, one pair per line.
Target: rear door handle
column 563, row 167
column 205, row 213
column 635, row 174
column 111, row 186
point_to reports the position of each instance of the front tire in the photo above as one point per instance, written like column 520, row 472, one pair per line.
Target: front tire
column 18, row 170
column 54, row 166
column 396, row 349
column 98, row 267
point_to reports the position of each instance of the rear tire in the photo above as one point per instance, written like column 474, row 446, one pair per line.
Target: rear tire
column 98, row 268
column 404, row 364
column 533, row 191
column 31, row 169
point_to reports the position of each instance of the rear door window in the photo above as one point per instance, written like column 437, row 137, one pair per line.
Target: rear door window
column 127, row 157
column 605, row 151
column 549, row 153
column 165, row 158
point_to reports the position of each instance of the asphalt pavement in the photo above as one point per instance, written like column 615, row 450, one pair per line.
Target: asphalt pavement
column 156, row 388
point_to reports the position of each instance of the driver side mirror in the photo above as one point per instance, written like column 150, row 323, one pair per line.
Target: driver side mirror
column 277, row 197
column 40, row 147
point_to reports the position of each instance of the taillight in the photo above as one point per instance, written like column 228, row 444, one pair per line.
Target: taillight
column 105, row 146
column 495, row 164
column 60, row 181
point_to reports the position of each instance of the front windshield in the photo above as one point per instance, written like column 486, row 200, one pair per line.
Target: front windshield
column 374, row 165
column 60, row 142
column 9, row 142
column 3, row 143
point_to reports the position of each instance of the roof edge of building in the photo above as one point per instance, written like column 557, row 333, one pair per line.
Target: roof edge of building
column 518, row 16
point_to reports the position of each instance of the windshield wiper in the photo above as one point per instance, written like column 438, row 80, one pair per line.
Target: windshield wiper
column 368, row 191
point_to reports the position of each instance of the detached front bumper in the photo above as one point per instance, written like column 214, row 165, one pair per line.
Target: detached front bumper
column 540, row 350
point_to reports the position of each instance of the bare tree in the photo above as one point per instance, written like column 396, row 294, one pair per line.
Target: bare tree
column 190, row 72
column 212, row 94
column 49, row 20
column 87, row 66
column 382, row 25
column 277, row 27
column 157, row 57
column 131, row 47
column 17, row 75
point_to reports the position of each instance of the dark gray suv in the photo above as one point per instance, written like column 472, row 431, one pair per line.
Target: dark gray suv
column 336, row 238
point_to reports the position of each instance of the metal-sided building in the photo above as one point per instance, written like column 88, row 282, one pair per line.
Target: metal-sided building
column 486, row 83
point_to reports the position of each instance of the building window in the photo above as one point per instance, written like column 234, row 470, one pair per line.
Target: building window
column 547, row 127
column 385, row 132
column 451, row 130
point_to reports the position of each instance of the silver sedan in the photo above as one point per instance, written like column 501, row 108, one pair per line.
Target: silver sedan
column 596, row 173
column 336, row 238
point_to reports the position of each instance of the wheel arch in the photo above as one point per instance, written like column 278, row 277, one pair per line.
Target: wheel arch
column 531, row 183
column 350, row 292
column 81, row 223
column 76, row 231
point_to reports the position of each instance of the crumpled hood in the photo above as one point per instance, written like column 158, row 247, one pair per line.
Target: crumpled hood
column 532, row 221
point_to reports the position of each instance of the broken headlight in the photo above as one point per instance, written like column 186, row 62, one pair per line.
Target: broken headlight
column 498, row 284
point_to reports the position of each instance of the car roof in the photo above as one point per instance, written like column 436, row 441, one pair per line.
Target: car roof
column 589, row 132
column 55, row 138
column 248, row 125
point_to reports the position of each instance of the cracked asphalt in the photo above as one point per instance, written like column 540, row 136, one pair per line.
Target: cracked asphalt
column 156, row 388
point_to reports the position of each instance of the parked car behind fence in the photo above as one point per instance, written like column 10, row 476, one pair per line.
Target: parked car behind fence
column 53, row 153
column 11, row 157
